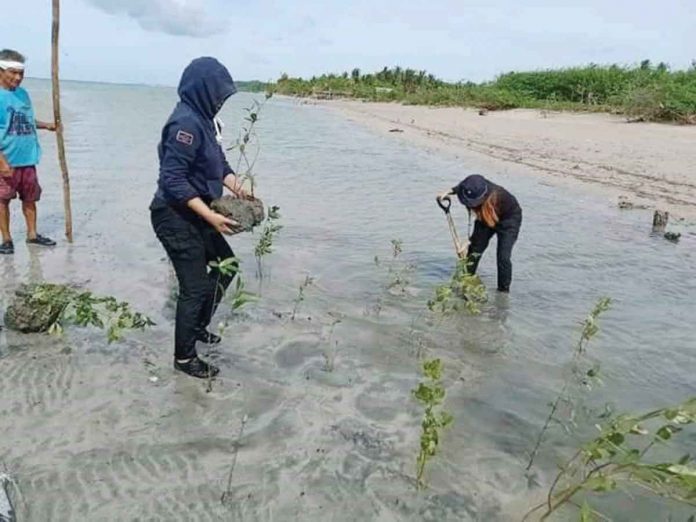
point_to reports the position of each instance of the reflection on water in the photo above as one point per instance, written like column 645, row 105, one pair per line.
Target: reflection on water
column 89, row 435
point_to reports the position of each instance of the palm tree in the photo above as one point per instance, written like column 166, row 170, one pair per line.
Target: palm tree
column 398, row 74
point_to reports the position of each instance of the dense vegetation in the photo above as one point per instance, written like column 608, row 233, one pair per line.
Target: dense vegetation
column 644, row 91
column 251, row 86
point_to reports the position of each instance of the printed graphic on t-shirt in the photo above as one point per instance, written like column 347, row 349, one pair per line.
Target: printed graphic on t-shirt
column 19, row 140
column 19, row 123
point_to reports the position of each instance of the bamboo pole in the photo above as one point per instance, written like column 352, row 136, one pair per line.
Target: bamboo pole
column 59, row 123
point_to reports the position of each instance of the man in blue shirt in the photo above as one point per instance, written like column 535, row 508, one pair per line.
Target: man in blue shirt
column 19, row 151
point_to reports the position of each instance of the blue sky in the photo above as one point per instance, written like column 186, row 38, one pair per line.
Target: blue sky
column 150, row 41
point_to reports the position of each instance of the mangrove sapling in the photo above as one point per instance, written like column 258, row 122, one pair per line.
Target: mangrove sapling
column 398, row 275
column 431, row 394
column 268, row 234
column 621, row 456
column 308, row 281
column 226, row 498
column 331, row 349
column 48, row 307
column 239, row 296
column 416, row 337
column 583, row 373
column 330, row 356
column 398, row 270
column 464, row 291
column 248, row 140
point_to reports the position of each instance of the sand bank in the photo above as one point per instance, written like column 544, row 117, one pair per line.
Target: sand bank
column 653, row 165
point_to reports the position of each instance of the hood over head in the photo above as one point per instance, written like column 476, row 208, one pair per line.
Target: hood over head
column 205, row 85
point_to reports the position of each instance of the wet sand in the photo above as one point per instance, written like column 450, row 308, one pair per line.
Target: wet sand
column 94, row 431
column 651, row 164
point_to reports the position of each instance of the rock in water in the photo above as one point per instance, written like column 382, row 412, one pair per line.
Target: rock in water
column 247, row 212
column 34, row 309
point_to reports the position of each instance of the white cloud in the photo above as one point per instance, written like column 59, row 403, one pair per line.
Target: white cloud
column 175, row 17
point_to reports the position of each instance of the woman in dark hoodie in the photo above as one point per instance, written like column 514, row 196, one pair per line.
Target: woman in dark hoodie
column 497, row 213
column 193, row 171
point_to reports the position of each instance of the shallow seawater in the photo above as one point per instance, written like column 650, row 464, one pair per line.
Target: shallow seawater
column 89, row 434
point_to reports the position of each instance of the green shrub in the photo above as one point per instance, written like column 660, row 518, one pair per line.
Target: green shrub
column 643, row 91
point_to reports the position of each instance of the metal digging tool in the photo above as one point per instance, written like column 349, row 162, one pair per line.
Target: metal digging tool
column 7, row 513
column 445, row 204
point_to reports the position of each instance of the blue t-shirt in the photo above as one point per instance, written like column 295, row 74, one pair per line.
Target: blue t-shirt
column 18, row 140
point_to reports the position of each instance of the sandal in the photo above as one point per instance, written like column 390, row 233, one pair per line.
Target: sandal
column 7, row 248
column 41, row 241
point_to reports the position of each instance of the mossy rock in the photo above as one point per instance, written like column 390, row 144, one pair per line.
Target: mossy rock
column 247, row 212
column 33, row 310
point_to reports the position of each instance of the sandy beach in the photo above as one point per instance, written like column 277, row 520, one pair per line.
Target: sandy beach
column 650, row 164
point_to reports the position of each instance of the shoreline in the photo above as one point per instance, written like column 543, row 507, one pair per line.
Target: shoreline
column 650, row 165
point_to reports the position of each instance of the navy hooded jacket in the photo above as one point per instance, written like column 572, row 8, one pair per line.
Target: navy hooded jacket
column 192, row 162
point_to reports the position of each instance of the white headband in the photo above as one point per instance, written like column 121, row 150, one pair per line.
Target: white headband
column 10, row 64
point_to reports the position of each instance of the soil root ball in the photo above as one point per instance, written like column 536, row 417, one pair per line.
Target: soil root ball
column 33, row 312
column 247, row 212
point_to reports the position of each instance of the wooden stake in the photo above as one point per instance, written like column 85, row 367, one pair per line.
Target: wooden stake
column 59, row 123
column 660, row 219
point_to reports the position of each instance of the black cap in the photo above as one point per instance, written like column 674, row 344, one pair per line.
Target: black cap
column 472, row 190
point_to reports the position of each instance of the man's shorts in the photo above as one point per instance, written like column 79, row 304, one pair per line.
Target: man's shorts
column 23, row 182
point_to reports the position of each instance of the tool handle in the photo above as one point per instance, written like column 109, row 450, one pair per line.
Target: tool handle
column 441, row 204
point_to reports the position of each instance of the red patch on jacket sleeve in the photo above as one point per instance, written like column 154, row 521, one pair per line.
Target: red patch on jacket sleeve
column 184, row 137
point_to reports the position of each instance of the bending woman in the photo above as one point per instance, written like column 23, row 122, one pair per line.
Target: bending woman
column 497, row 213
column 193, row 170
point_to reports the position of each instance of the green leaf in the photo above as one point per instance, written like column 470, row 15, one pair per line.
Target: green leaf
column 666, row 432
column 616, row 438
column 433, row 369
column 586, row 514
column 428, row 394
column 679, row 469
column 600, row 484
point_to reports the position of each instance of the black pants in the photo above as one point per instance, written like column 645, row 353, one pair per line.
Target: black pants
column 507, row 231
column 191, row 244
